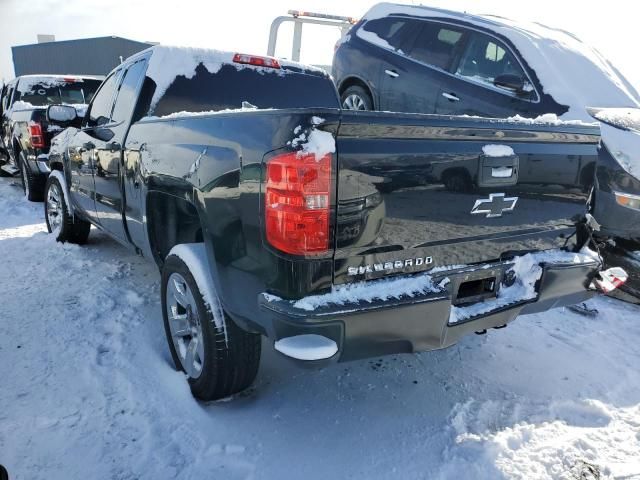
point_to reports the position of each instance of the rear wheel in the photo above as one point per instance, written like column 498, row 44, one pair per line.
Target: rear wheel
column 356, row 98
column 32, row 185
column 219, row 358
column 63, row 225
column 457, row 181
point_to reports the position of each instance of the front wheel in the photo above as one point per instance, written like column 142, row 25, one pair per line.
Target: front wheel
column 65, row 226
column 356, row 98
column 219, row 358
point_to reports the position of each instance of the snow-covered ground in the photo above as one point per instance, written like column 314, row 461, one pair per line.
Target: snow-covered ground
column 87, row 389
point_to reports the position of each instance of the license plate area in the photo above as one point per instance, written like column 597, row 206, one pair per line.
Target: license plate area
column 475, row 286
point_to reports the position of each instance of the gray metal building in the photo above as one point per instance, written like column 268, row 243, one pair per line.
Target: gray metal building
column 88, row 56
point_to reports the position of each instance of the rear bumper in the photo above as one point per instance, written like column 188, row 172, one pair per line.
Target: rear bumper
column 418, row 323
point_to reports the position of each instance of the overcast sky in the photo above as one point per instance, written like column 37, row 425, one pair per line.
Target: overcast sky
column 244, row 26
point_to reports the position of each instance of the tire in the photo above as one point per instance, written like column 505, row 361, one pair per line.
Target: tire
column 231, row 355
column 32, row 185
column 65, row 227
column 356, row 98
column 457, row 182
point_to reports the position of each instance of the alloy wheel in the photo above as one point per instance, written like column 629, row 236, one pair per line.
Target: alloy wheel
column 185, row 325
column 55, row 211
column 354, row 102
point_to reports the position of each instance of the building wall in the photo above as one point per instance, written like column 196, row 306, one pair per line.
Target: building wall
column 91, row 56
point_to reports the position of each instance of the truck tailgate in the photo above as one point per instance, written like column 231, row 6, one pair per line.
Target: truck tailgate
column 417, row 192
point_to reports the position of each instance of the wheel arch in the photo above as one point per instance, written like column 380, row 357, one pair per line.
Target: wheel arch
column 171, row 220
column 355, row 80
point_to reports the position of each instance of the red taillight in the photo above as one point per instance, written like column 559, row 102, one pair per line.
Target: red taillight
column 35, row 132
column 255, row 60
column 297, row 203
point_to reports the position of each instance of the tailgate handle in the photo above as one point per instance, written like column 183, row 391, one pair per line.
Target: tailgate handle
column 501, row 172
column 498, row 171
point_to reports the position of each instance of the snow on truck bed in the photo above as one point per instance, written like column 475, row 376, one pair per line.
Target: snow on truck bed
column 88, row 390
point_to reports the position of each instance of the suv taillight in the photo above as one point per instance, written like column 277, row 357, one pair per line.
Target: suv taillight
column 35, row 132
column 297, row 203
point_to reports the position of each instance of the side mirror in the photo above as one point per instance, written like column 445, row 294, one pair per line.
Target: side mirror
column 510, row 82
column 61, row 114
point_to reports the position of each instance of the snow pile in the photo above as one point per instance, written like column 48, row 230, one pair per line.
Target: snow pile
column 528, row 270
column 27, row 84
column 20, row 105
column 626, row 118
column 550, row 119
column 167, row 63
column 498, row 151
column 307, row 347
column 373, row 37
column 185, row 114
column 564, row 439
column 314, row 141
column 624, row 146
column 385, row 289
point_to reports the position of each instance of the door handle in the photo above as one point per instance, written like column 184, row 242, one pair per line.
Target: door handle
column 450, row 96
column 113, row 147
column 392, row 73
column 86, row 147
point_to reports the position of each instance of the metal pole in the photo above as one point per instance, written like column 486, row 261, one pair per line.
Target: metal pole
column 297, row 41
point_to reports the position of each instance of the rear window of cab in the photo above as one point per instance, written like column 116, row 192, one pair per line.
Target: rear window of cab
column 233, row 88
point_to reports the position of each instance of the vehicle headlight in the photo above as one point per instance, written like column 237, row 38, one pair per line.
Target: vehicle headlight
column 628, row 200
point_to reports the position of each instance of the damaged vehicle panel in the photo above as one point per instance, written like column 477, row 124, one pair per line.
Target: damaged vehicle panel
column 272, row 212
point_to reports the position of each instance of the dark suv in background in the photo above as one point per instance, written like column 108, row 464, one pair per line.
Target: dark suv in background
column 415, row 64
column 426, row 60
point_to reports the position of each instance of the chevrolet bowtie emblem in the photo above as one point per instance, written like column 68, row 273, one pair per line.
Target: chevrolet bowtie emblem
column 495, row 205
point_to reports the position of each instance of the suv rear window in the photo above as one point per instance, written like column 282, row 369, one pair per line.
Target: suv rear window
column 230, row 87
column 47, row 92
column 390, row 30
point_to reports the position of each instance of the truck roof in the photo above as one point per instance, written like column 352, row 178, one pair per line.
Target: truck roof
column 560, row 60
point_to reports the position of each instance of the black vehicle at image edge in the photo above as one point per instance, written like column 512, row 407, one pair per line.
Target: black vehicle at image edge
column 268, row 213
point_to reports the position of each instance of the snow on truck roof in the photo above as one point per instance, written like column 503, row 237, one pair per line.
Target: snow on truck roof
column 168, row 62
column 26, row 83
column 569, row 70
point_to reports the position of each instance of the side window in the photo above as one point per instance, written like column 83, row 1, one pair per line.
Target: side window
column 484, row 59
column 386, row 32
column 125, row 102
column 6, row 101
column 437, row 44
column 100, row 109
